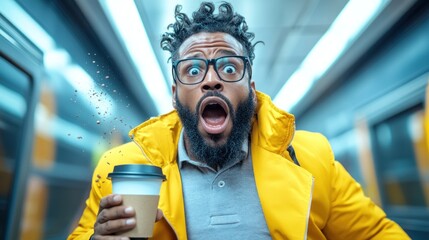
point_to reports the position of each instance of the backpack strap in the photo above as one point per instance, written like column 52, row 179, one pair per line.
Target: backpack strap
column 292, row 155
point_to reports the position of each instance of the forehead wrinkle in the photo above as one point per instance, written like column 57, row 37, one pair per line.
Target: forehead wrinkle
column 217, row 52
column 209, row 44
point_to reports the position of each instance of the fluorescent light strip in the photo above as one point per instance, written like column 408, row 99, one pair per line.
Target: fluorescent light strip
column 25, row 23
column 349, row 24
column 127, row 23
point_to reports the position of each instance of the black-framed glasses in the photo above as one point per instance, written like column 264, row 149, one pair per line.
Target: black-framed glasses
column 191, row 71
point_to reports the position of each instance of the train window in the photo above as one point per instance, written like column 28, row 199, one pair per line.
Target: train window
column 345, row 150
column 15, row 90
column 402, row 159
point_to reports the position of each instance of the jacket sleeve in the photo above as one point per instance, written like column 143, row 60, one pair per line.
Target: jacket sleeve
column 353, row 215
column 85, row 227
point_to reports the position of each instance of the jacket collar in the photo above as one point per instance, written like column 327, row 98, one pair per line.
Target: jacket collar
column 158, row 137
column 275, row 127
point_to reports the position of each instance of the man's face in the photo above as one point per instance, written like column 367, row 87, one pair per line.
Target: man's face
column 214, row 112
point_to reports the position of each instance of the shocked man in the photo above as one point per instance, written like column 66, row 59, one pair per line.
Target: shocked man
column 236, row 167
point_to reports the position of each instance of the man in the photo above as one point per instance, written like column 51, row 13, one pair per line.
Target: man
column 235, row 166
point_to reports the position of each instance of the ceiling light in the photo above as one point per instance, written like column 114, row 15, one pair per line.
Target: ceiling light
column 126, row 21
column 349, row 24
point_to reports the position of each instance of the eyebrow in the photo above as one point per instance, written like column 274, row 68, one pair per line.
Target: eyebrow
column 228, row 52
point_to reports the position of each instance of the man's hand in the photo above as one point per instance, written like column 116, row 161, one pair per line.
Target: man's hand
column 113, row 217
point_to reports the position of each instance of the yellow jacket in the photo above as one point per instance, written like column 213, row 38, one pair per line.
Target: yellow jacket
column 426, row 117
column 317, row 200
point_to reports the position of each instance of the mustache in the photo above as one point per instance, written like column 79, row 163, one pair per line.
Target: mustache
column 213, row 94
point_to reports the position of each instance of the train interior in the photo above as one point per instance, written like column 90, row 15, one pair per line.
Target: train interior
column 71, row 88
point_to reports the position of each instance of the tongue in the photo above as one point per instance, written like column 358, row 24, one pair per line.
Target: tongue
column 214, row 116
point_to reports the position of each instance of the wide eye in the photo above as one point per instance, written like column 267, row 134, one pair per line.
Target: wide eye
column 229, row 69
column 194, row 71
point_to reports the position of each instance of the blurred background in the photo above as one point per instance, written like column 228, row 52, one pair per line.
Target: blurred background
column 77, row 75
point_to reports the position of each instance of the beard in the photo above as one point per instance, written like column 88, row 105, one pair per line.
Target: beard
column 231, row 151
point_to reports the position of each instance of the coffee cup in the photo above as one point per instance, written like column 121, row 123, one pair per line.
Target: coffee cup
column 139, row 185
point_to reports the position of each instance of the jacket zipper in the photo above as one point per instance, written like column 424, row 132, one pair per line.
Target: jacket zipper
column 309, row 208
column 141, row 149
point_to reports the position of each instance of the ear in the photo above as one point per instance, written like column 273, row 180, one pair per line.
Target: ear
column 253, row 89
column 173, row 90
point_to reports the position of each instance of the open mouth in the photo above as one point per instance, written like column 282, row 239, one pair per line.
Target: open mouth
column 214, row 114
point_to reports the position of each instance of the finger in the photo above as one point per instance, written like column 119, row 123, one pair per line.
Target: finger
column 99, row 237
column 114, row 226
column 114, row 213
column 110, row 201
column 159, row 215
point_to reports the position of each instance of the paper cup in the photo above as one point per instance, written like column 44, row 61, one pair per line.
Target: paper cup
column 139, row 186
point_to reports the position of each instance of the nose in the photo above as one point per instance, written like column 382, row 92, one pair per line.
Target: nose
column 211, row 81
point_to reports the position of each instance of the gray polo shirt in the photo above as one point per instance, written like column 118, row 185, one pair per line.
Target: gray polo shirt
column 221, row 204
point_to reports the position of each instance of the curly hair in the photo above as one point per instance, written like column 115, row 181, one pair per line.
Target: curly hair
column 205, row 21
